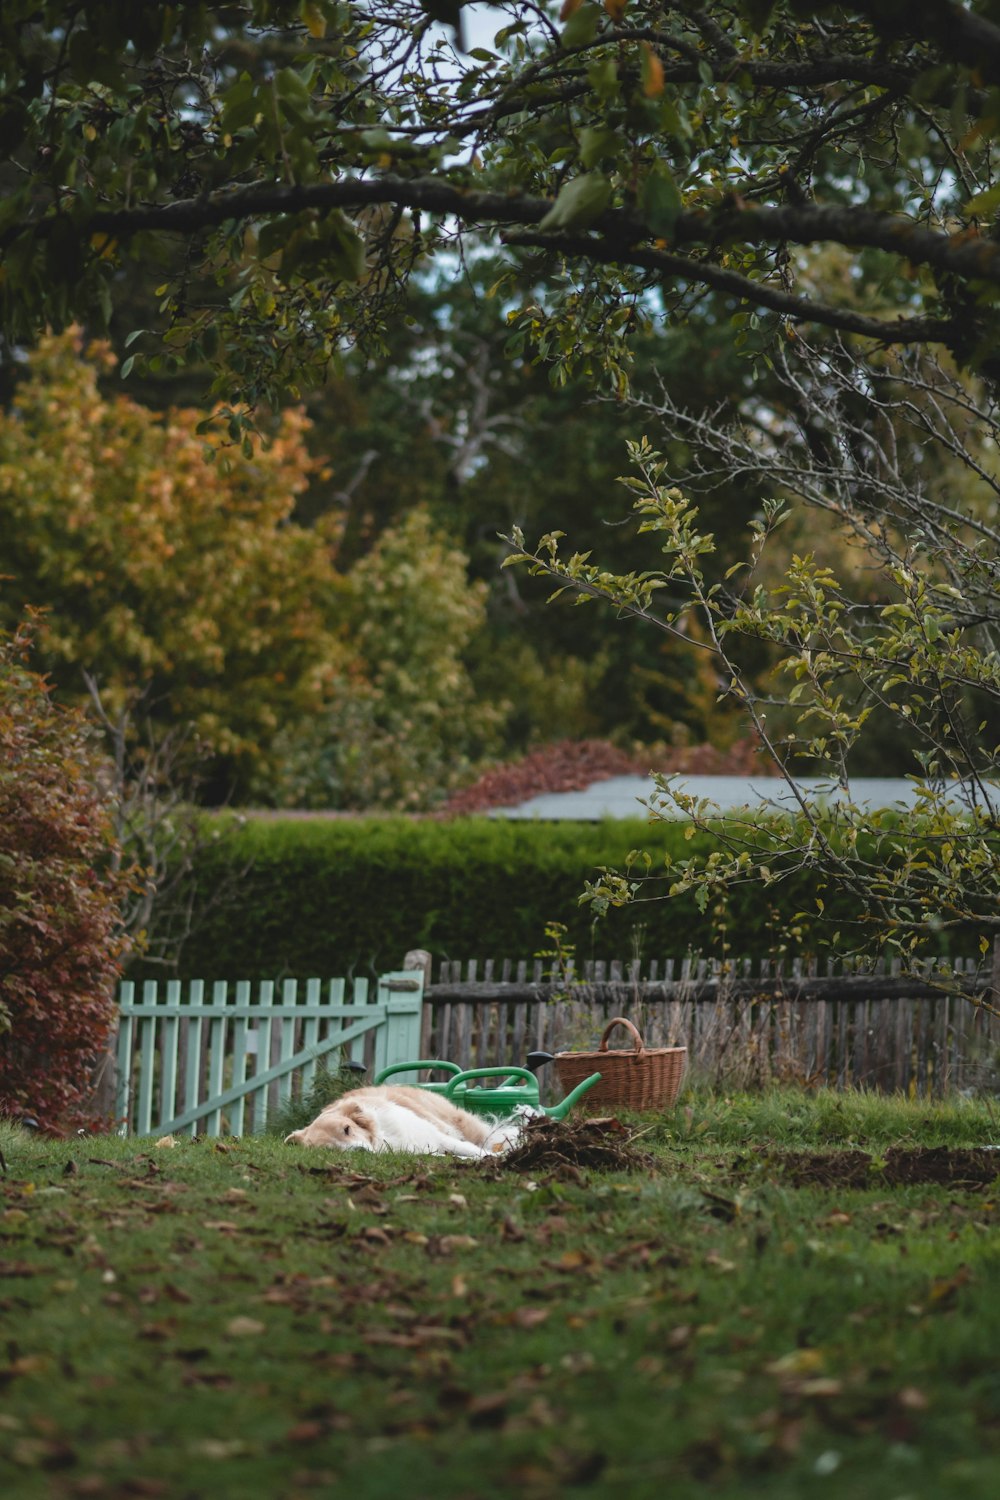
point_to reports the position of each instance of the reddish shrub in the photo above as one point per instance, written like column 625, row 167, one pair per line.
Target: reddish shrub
column 60, row 893
column 573, row 765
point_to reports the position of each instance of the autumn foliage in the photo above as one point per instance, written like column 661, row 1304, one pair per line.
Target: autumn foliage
column 60, row 940
column 162, row 574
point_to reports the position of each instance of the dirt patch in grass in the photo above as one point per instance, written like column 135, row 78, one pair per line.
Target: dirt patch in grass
column 971, row 1168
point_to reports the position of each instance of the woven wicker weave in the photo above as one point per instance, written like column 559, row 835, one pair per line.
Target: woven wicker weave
column 637, row 1078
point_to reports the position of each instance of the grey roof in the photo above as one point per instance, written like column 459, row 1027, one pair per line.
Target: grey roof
column 623, row 796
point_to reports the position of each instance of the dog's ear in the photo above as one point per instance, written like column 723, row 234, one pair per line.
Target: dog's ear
column 294, row 1138
column 356, row 1124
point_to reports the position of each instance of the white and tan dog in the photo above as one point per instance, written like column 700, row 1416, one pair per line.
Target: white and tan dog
column 391, row 1117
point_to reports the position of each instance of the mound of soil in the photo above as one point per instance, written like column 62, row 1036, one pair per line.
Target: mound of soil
column 970, row 1168
column 563, row 1148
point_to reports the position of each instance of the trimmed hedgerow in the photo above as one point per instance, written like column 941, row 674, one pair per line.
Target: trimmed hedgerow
column 327, row 897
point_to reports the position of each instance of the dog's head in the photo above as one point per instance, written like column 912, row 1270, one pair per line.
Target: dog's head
column 346, row 1125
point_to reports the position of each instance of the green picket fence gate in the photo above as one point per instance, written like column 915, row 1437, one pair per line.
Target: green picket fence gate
column 217, row 1059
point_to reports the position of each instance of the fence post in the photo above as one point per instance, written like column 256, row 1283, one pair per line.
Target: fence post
column 402, row 995
column 419, row 958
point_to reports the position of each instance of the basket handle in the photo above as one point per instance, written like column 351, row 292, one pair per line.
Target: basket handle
column 622, row 1021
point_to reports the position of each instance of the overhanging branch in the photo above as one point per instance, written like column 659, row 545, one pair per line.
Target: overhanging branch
column 734, row 221
column 718, row 278
column 958, row 31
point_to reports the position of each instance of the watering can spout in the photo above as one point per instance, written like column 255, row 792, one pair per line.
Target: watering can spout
column 561, row 1110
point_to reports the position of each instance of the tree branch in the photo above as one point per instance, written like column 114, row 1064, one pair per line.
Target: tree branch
column 719, row 279
column 959, row 32
column 734, row 221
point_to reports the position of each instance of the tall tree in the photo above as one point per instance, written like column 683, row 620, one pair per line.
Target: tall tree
column 309, row 157
column 168, row 578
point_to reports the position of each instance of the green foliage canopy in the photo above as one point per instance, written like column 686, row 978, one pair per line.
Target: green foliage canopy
column 312, row 159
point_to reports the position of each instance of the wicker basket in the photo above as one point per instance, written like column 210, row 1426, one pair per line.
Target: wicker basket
column 636, row 1078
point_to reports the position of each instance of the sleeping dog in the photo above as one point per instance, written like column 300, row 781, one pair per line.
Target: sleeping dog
column 390, row 1117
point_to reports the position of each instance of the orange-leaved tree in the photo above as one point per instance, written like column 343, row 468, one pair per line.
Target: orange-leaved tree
column 61, row 890
column 160, row 573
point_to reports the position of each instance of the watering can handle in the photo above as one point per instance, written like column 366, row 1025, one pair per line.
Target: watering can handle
column 520, row 1074
column 411, row 1067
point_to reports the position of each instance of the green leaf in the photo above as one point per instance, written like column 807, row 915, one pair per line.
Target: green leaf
column 580, row 202
column 347, row 246
column 597, row 143
column 291, row 89
column 983, row 204
column 660, row 201
column 581, row 27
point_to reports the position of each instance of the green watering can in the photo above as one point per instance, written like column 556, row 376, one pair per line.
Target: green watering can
column 520, row 1088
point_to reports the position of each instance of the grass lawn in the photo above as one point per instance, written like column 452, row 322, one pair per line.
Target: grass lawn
column 738, row 1317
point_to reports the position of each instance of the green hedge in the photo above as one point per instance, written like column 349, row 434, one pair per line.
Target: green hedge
column 326, row 897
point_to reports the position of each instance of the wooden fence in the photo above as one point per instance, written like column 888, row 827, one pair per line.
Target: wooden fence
column 221, row 1058
column 746, row 1023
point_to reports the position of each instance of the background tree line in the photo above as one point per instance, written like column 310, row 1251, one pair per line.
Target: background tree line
column 383, row 272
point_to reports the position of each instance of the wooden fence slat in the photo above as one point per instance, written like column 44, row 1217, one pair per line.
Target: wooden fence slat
column 126, row 1032
column 192, row 1061
column 237, row 1115
column 286, row 1046
column 217, row 1054
column 169, row 1038
column 262, row 1034
column 310, row 1034
column 144, row 1109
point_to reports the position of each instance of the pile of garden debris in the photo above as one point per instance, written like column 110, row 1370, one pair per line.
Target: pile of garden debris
column 563, row 1148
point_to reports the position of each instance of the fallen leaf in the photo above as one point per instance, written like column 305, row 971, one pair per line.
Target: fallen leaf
column 244, row 1328
column 156, row 1332
column 945, row 1289
column 219, row 1448
column 823, row 1385
column 571, row 1260
column 529, row 1317
column 488, row 1410
column 27, row 1364
column 799, row 1362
